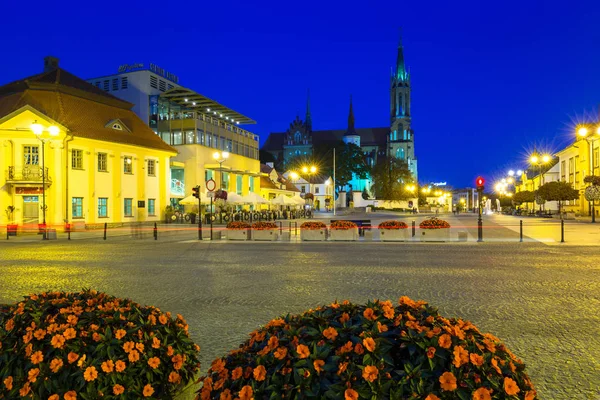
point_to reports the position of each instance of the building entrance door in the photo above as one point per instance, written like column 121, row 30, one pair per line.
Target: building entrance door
column 31, row 210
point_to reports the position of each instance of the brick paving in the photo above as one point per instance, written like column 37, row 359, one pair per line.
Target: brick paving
column 543, row 301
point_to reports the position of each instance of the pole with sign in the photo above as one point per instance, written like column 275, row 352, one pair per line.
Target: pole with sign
column 196, row 193
column 479, row 182
column 210, row 186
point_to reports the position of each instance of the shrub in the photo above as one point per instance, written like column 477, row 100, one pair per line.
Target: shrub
column 343, row 225
column 238, row 225
column 261, row 226
column 58, row 345
column 368, row 351
column 434, row 223
column 393, row 225
column 313, row 225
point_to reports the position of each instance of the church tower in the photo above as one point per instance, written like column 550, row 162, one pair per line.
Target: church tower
column 401, row 137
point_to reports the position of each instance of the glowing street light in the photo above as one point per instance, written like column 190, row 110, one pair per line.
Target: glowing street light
column 221, row 157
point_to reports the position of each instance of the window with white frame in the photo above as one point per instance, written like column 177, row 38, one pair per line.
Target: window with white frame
column 77, row 207
column 128, row 165
column 102, row 162
column 151, row 206
column 31, row 155
column 128, row 207
column 77, row 159
column 102, row 207
column 151, row 167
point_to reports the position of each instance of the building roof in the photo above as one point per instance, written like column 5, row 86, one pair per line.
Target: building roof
column 79, row 106
column 368, row 137
column 268, row 183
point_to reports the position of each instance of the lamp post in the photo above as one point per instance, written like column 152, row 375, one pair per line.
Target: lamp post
column 221, row 157
column 38, row 130
column 539, row 160
column 589, row 136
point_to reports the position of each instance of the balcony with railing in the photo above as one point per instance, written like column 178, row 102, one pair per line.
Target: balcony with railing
column 27, row 174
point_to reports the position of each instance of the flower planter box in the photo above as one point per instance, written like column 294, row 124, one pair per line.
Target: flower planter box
column 238, row 234
column 395, row 235
column 266, row 234
column 434, row 235
column 12, row 229
column 314, row 235
column 344, row 234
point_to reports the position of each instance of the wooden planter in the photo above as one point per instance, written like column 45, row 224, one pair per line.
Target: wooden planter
column 344, row 234
column 313, row 235
column 395, row 235
column 267, row 234
column 434, row 235
column 238, row 234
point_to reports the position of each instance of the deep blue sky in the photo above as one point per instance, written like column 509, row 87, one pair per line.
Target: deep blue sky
column 490, row 80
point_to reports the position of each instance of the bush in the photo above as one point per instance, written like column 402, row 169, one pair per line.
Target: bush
column 434, row 223
column 369, row 351
column 62, row 345
column 238, row 225
column 392, row 225
column 313, row 225
column 343, row 225
column 261, row 226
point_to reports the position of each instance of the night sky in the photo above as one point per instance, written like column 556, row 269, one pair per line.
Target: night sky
column 490, row 80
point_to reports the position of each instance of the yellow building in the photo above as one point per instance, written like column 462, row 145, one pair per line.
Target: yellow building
column 97, row 161
column 273, row 184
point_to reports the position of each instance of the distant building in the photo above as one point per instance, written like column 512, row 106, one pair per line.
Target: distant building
column 466, row 197
column 273, row 183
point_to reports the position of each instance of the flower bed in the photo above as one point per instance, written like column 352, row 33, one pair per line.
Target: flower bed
column 315, row 231
column 342, row 225
column 77, row 345
column 233, row 225
column 259, row 226
column 392, row 224
column 347, row 351
column 313, row 225
column 434, row 223
column 238, row 230
column 394, row 231
column 264, row 231
column 434, row 230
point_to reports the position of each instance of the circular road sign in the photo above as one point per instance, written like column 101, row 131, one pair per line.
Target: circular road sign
column 211, row 185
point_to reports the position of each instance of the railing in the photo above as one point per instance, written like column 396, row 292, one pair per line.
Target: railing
column 31, row 173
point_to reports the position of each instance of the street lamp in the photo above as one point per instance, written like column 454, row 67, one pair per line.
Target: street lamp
column 539, row 160
column 38, row 131
column 309, row 171
column 586, row 133
column 221, row 157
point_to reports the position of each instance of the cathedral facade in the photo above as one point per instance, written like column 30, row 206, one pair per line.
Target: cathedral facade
column 396, row 140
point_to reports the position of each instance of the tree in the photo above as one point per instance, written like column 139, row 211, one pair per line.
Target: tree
column 389, row 177
column 524, row 196
column 558, row 191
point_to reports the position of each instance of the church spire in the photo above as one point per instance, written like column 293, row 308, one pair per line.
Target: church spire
column 351, row 118
column 308, row 116
column 401, row 74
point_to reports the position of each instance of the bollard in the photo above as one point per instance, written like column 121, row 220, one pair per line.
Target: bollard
column 413, row 228
column 562, row 231
column 521, row 230
column 105, row 226
column 280, row 227
column 68, row 231
column 155, row 232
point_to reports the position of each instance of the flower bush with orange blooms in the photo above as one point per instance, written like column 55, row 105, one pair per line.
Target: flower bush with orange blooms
column 434, row 223
column 87, row 345
column 393, row 224
column 343, row 225
column 313, row 225
column 263, row 226
column 376, row 350
column 238, row 225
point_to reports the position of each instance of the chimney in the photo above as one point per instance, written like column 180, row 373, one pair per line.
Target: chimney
column 50, row 63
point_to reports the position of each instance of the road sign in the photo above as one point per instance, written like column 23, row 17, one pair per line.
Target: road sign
column 211, row 185
column 211, row 195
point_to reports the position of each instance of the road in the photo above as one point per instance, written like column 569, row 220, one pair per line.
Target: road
column 543, row 301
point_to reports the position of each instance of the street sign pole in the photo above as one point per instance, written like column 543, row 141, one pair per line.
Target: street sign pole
column 211, row 218
column 479, row 182
column 199, row 215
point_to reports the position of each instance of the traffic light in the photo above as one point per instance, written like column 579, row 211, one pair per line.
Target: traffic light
column 196, row 192
column 480, row 182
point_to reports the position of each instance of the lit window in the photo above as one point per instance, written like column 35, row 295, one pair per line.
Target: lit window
column 128, row 209
column 102, row 207
column 77, row 207
column 151, row 207
column 128, row 165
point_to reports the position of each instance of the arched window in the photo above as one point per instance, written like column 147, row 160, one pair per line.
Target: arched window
column 297, row 137
column 400, row 153
column 297, row 152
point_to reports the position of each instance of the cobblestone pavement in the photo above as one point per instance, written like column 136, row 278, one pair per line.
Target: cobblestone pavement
column 542, row 301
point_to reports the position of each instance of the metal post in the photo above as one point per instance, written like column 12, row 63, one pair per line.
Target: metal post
column 199, row 214
column 211, row 219
column 562, row 230
column 413, row 228
column 155, row 232
column 280, row 227
column 479, row 219
column 45, row 237
column 105, row 226
column 520, row 230
column 68, row 231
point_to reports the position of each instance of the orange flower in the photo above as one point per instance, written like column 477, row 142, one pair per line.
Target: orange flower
column 495, row 365
column 369, row 344
column 476, row 359
column 154, row 362
column 90, row 374
column 225, row 395
column 370, row 373
column 128, row 346
column 58, row 341
column 71, row 395
column 156, row 343
column 359, row 349
column 318, row 364
column 246, row 393
column 40, row 334
column 81, row 361
column 445, row 341
column 177, row 361
column 260, row 373
column 218, row 365
column 33, row 374
column 96, row 337
column 388, row 312
column 432, row 396
column 120, row 366
column 119, row 334
column 346, row 348
column 273, row 342
column 448, row 381
column 29, row 350
column 24, row 390
column 482, row 394
column 139, row 347
column 236, row 373
column 330, row 333
column 108, row 366
column 72, row 320
column 342, row 368
column 8, row 383
column 381, row 327
column 302, row 351
column 461, row 356
column 37, row 357
column 344, row 318
column 430, row 352
column 118, row 389
column 174, row 377
column 350, row 394
column 530, row 395
column 170, row 351
column 369, row 314
column 148, row 390
column 9, row 324
column 54, row 397
column 134, row 356
column 70, row 333
column 56, row 364
column 511, row 387
column 280, row 353
column 162, row 319
column 72, row 357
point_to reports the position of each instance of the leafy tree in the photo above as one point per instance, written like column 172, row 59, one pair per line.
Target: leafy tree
column 525, row 196
column 390, row 175
column 558, row 191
